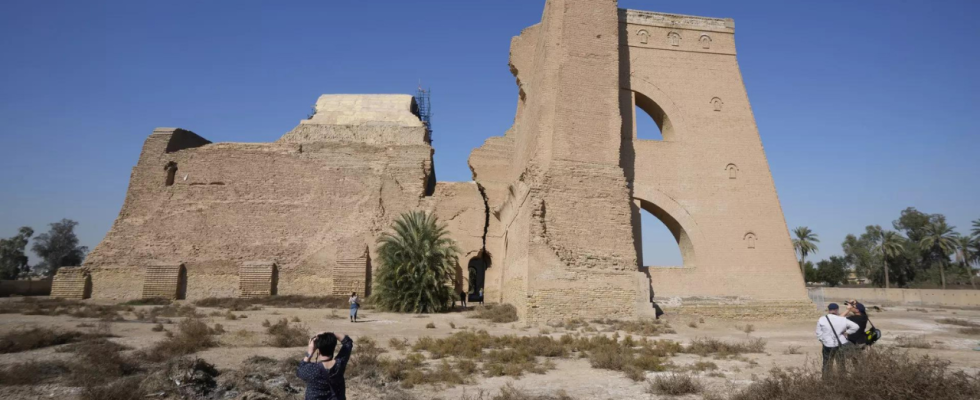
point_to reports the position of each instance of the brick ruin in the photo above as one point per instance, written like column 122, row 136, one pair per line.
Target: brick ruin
column 550, row 223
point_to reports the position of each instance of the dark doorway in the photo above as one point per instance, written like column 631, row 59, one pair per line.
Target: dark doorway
column 182, row 283
column 477, row 267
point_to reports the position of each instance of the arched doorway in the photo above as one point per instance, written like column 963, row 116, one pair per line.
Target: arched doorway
column 477, row 269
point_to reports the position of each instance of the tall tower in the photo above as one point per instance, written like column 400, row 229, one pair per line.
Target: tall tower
column 708, row 180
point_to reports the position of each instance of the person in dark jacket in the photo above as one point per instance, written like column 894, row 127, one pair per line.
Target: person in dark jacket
column 322, row 371
column 857, row 314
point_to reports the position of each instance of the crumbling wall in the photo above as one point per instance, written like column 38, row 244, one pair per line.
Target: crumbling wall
column 564, row 216
column 307, row 206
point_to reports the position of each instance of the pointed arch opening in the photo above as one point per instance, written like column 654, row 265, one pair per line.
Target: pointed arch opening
column 658, row 244
column 660, row 128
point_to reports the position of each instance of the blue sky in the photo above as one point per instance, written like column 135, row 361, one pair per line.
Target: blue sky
column 864, row 108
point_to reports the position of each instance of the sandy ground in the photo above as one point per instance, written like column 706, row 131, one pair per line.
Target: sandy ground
column 574, row 376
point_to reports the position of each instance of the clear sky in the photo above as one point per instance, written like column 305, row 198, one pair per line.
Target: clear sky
column 864, row 107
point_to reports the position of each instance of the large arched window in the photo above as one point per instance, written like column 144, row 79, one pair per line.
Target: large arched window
column 654, row 125
column 664, row 242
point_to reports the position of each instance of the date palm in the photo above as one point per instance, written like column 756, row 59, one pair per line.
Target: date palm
column 966, row 255
column 417, row 266
column 887, row 244
column 805, row 243
column 940, row 237
column 976, row 228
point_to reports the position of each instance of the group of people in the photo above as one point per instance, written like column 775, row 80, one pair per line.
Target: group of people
column 463, row 296
column 841, row 335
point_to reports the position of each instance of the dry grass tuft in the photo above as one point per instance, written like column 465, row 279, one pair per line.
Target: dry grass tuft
column 884, row 374
column 499, row 313
column 708, row 346
column 192, row 335
column 643, row 327
column 285, row 335
column 155, row 301
column 958, row 322
column 913, row 342
column 430, row 325
column 33, row 372
column 256, row 303
column 793, row 350
column 20, row 340
column 674, row 385
column 56, row 306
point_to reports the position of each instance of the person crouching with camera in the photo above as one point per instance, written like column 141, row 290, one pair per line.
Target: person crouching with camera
column 322, row 371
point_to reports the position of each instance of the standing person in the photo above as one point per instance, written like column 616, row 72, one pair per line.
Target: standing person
column 481, row 296
column 354, row 305
column 831, row 330
column 321, row 370
column 857, row 314
column 462, row 299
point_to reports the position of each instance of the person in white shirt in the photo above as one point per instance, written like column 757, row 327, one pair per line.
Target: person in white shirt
column 832, row 331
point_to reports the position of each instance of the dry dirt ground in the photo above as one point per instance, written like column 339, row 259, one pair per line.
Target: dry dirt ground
column 790, row 343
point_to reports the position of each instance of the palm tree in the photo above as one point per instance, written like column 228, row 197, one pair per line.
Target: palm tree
column 805, row 243
column 941, row 237
column 887, row 244
column 976, row 228
column 417, row 265
column 966, row 255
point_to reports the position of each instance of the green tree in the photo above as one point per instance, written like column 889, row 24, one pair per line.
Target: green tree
column 417, row 266
column 810, row 272
column 887, row 244
column 13, row 261
column 967, row 255
column 857, row 253
column 976, row 228
column 940, row 239
column 805, row 243
column 58, row 248
column 833, row 271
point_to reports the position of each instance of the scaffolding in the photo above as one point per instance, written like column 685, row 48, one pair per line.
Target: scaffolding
column 424, row 104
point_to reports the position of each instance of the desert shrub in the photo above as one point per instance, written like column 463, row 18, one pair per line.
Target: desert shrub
column 509, row 392
column 192, row 335
column 153, row 301
column 500, row 313
column 416, row 261
column 33, row 372
column 913, row 342
column 643, row 327
column 707, row 346
column 970, row 331
column 157, row 328
column 127, row 388
column 883, row 374
column 958, row 322
column 702, row 366
column 398, row 344
column 35, row 338
column 57, row 306
column 430, row 325
column 171, row 311
column 282, row 334
column 674, row 385
column 290, row 301
column 262, row 378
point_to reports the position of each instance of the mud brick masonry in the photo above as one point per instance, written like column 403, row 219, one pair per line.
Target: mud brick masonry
column 551, row 222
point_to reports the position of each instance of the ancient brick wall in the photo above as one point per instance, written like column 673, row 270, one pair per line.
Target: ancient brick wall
column 307, row 206
column 708, row 179
column 71, row 283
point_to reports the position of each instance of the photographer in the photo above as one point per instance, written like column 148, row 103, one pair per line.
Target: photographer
column 321, row 370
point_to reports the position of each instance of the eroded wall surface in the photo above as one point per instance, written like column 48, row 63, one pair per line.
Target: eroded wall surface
column 311, row 203
column 557, row 193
